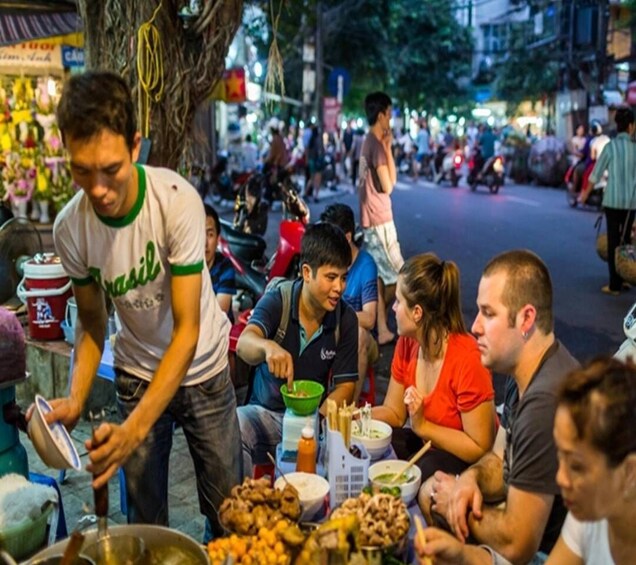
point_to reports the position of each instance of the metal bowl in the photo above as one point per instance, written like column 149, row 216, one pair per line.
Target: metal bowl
column 164, row 546
column 376, row 555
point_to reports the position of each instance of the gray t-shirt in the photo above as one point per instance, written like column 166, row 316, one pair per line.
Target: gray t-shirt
column 530, row 459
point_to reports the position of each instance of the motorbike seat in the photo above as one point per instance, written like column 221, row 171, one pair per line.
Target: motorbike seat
column 247, row 246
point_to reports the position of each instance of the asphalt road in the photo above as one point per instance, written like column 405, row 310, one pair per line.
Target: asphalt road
column 471, row 227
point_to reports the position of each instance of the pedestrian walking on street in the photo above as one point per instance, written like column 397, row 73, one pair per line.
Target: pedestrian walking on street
column 377, row 181
column 619, row 197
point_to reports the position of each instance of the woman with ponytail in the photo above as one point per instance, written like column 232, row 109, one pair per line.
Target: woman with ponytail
column 437, row 380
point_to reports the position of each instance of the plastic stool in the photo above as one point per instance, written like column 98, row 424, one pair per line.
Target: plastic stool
column 368, row 389
column 263, row 470
column 61, row 531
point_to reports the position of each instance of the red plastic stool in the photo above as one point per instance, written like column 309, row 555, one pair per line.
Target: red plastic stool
column 264, row 470
column 368, row 389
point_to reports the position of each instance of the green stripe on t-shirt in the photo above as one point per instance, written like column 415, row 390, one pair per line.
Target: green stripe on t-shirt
column 82, row 282
column 186, row 269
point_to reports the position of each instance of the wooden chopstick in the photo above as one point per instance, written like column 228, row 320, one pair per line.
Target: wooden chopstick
column 412, row 461
column 425, row 559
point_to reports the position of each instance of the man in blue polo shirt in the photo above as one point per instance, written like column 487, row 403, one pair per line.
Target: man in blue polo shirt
column 361, row 292
column 320, row 343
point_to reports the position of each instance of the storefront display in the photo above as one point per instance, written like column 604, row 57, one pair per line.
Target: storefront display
column 34, row 169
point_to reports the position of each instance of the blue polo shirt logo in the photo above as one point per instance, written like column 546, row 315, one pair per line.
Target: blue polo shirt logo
column 327, row 355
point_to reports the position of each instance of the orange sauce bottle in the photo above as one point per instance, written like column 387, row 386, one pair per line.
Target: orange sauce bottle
column 307, row 451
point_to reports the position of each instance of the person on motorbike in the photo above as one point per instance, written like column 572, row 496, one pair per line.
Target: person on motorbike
column 254, row 217
column 596, row 143
column 577, row 143
column 485, row 151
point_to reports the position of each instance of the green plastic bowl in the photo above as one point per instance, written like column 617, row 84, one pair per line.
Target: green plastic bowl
column 303, row 405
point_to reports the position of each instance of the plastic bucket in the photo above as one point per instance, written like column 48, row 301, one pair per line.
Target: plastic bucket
column 45, row 289
column 71, row 313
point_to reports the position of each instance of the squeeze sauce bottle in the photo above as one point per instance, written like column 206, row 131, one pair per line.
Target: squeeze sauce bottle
column 307, row 451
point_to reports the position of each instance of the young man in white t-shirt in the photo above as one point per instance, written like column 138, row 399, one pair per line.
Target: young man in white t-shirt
column 137, row 236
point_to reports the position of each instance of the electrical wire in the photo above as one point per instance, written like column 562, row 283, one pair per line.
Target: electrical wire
column 149, row 69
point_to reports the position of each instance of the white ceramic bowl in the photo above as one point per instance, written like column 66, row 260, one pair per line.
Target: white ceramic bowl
column 52, row 442
column 312, row 490
column 376, row 446
column 392, row 466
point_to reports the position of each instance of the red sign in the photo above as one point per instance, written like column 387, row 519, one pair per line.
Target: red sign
column 235, row 85
column 330, row 114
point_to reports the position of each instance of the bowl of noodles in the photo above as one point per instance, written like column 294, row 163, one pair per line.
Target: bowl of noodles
column 305, row 397
column 376, row 437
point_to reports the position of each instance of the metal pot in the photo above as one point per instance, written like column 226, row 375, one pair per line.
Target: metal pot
column 164, row 546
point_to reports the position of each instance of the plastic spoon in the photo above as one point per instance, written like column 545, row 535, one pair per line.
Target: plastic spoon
column 411, row 462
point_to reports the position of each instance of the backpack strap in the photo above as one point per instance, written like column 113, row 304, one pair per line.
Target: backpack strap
column 286, row 296
column 285, row 289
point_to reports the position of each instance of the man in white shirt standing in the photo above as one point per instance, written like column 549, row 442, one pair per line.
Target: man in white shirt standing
column 136, row 235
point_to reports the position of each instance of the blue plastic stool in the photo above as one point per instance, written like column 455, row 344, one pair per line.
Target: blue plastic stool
column 61, row 531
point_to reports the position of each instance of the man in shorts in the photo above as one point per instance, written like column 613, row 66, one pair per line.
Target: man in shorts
column 377, row 180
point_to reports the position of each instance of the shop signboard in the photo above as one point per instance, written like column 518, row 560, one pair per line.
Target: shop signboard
column 330, row 114
column 31, row 57
column 631, row 93
column 72, row 57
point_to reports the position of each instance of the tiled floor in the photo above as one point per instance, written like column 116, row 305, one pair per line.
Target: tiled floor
column 77, row 494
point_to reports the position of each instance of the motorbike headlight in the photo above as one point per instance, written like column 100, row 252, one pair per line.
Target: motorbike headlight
column 498, row 166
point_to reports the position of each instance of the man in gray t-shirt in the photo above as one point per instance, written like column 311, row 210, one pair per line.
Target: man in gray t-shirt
column 523, row 510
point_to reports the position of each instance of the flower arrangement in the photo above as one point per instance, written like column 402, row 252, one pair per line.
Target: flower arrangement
column 62, row 186
column 18, row 177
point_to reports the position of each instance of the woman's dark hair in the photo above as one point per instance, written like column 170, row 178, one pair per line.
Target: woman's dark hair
column 325, row 244
column 601, row 399
column 432, row 284
column 211, row 213
column 340, row 215
column 254, row 186
column 375, row 103
column 96, row 101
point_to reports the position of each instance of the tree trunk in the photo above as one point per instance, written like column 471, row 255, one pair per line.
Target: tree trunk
column 192, row 63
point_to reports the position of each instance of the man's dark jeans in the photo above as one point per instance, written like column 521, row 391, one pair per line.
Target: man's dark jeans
column 207, row 413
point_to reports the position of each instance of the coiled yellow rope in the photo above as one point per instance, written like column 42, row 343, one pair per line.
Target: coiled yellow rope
column 149, row 69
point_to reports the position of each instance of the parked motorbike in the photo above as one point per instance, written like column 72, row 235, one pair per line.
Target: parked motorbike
column 247, row 252
column 573, row 188
column 489, row 173
column 451, row 168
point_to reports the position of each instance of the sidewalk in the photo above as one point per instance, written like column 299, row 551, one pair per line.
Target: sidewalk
column 77, row 494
